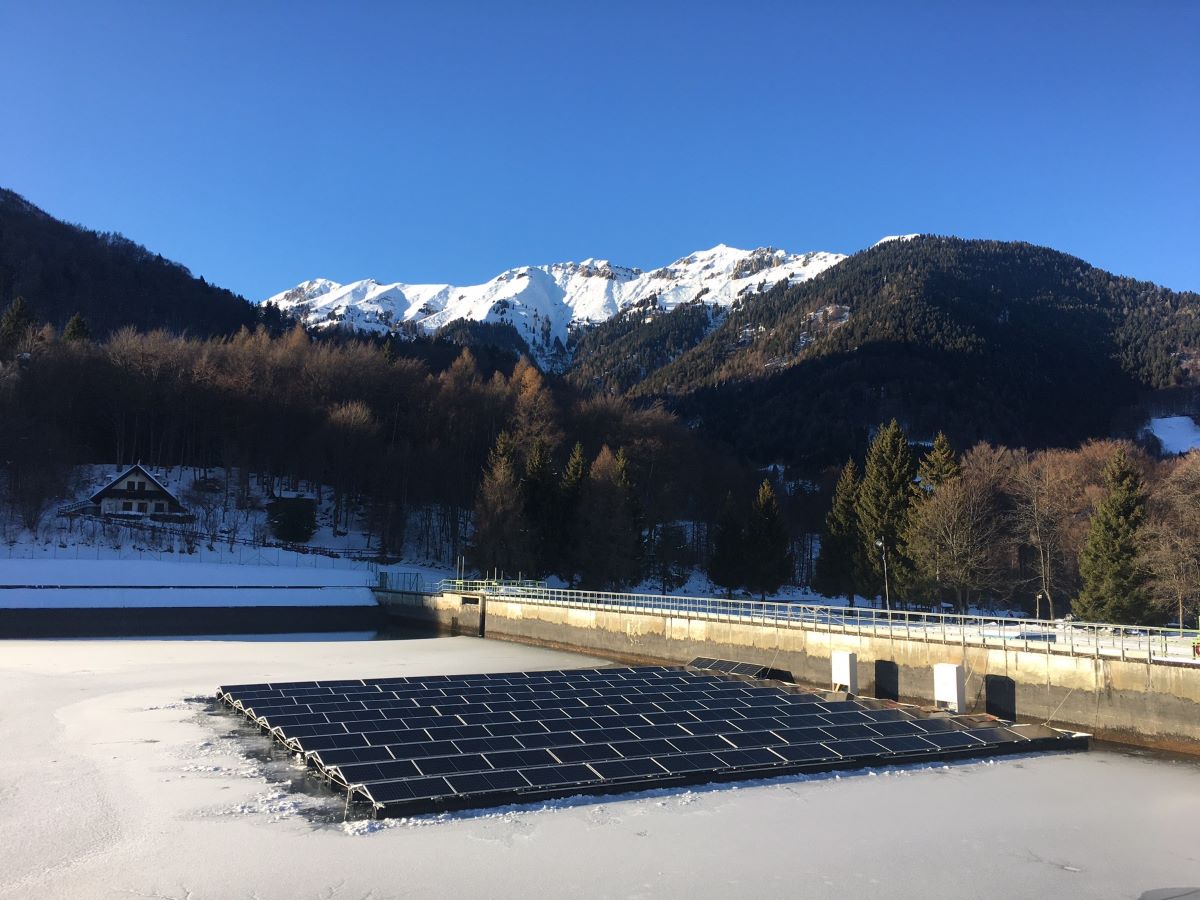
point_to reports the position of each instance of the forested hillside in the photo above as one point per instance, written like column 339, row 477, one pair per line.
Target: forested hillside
column 387, row 433
column 61, row 270
column 617, row 355
column 999, row 341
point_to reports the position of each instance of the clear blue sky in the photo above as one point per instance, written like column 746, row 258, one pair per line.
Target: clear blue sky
column 262, row 144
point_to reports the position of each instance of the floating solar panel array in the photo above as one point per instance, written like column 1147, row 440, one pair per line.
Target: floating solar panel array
column 417, row 745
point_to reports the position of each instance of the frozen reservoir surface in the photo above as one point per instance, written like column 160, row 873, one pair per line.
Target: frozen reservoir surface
column 117, row 783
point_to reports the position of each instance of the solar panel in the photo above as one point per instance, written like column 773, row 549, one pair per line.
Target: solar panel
column 700, row 742
column 805, row 753
column 628, row 768
column 858, row 748
column 355, row 773
column 443, row 765
column 896, row 729
column 744, row 759
column 947, row 740
column 397, row 792
column 657, row 747
column 412, row 745
column 418, row 750
column 487, row 744
column 584, row 753
column 690, row 762
column 810, row 735
column 902, row 744
column 845, row 732
column 749, row 670
column 355, row 755
column 754, row 739
column 483, row 782
column 560, row 775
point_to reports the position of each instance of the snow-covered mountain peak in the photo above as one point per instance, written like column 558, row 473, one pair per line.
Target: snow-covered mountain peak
column 545, row 302
column 304, row 292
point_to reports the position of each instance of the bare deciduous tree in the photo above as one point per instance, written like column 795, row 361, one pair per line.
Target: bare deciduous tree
column 1171, row 539
column 955, row 537
column 1042, row 516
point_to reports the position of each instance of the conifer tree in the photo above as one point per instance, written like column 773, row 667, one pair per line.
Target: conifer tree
column 15, row 323
column 538, row 492
column 535, row 414
column 1114, row 584
column 883, row 503
column 726, row 565
column 575, row 471
column 768, row 562
column 938, row 465
column 839, row 567
column 610, row 539
column 568, row 544
column 633, row 507
column 670, row 557
column 500, row 528
column 77, row 329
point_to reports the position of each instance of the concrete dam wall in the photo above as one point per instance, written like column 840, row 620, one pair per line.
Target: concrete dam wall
column 1128, row 701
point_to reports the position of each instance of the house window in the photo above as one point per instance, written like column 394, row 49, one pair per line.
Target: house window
column 160, row 507
column 141, row 486
column 126, row 506
column 141, row 507
column 131, row 485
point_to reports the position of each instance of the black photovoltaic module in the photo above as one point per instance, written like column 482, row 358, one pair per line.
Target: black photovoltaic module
column 418, row 745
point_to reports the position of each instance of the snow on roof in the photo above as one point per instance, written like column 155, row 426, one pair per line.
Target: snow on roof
column 136, row 467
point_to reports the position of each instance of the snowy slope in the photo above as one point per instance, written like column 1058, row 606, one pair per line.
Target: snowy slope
column 895, row 237
column 1178, row 434
column 544, row 302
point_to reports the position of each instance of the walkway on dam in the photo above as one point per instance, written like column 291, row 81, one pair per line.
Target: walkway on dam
column 1168, row 646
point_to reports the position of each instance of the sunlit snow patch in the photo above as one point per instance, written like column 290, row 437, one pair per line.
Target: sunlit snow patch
column 1177, row 434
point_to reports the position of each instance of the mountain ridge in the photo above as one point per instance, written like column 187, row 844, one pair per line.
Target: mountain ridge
column 548, row 304
column 987, row 340
column 61, row 269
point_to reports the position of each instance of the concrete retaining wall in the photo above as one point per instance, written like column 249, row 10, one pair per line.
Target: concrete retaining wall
column 1129, row 702
column 449, row 613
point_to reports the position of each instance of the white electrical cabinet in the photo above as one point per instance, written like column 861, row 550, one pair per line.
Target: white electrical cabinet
column 950, row 687
column 845, row 671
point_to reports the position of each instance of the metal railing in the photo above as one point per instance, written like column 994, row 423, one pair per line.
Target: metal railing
column 484, row 585
column 401, row 582
column 1154, row 645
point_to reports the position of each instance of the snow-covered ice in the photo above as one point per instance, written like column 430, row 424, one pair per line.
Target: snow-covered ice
column 114, row 784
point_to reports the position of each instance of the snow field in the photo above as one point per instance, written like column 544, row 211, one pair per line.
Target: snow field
column 118, row 782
